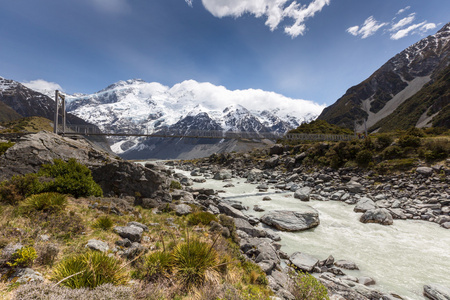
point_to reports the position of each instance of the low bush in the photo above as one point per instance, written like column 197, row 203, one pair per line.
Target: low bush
column 364, row 157
column 392, row 152
column 383, row 140
column 175, row 185
column 201, row 217
column 46, row 202
column 436, row 149
column 409, row 140
column 194, row 263
column 5, row 146
column 23, row 257
column 103, row 222
column 303, row 286
column 92, row 269
column 70, row 178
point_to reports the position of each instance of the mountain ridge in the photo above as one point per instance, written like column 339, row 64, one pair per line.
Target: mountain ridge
column 400, row 78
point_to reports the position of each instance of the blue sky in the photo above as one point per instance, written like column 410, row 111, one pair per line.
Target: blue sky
column 305, row 49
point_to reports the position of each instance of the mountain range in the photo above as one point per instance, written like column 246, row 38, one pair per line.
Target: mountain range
column 411, row 89
column 142, row 107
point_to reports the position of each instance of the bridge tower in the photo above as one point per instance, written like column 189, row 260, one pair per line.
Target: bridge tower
column 60, row 103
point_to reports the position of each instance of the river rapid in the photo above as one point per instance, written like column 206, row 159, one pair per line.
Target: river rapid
column 401, row 257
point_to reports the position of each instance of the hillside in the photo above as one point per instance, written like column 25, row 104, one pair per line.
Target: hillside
column 399, row 82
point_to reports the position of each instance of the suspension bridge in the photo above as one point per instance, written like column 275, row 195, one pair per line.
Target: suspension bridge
column 91, row 130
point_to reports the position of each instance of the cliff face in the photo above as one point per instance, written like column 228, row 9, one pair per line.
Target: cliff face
column 395, row 83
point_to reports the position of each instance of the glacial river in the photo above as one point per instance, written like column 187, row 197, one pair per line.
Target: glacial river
column 401, row 257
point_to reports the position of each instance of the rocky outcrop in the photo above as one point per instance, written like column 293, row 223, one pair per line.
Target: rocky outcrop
column 436, row 292
column 292, row 220
column 116, row 177
column 379, row 215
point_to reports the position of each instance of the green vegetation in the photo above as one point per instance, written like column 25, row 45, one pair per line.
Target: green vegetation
column 201, row 217
column 103, row 223
column 305, row 287
column 383, row 152
column 23, row 257
column 5, row 146
column 61, row 177
column 46, row 202
column 28, row 124
column 92, row 269
column 70, row 178
column 175, row 185
column 320, row 127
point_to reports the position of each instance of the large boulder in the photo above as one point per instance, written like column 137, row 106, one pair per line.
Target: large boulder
column 125, row 178
column 436, row 292
column 303, row 193
column 246, row 227
column 222, row 175
column 364, row 204
column 303, row 261
column 133, row 233
column 292, row 220
column 228, row 210
column 426, row 171
column 378, row 215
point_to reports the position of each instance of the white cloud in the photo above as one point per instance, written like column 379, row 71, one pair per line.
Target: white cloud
column 189, row 2
column 421, row 28
column 42, row 86
column 369, row 28
column 403, row 10
column 111, row 6
column 274, row 10
column 403, row 22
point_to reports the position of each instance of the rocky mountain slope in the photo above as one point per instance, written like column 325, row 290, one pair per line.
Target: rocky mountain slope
column 141, row 107
column 421, row 68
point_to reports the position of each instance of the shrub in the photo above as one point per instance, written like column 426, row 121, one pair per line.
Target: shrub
column 5, row 146
column 93, row 269
column 158, row 264
column 202, row 217
column 195, row 262
column 46, row 202
column 175, row 185
column 392, row 152
column 103, row 222
column 437, row 149
column 23, row 257
column 383, row 140
column 19, row 187
column 9, row 194
column 364, row 157
column 70, row 178
column 408, row 140
column 305, row 287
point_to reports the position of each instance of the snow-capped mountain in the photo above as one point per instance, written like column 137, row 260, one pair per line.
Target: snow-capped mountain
column 139, row 106
column 408, row 90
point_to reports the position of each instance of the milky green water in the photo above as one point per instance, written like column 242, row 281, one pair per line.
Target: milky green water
column 401, row 257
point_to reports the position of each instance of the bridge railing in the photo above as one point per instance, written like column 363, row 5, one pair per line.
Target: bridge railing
column 218, row 134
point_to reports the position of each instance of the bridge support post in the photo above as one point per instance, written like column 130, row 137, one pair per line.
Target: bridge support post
column 60, row 102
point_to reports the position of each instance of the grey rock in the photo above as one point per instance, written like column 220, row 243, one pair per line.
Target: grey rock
column 132, row 233
column 9, row 250
column 26, row 275
column 426, row 171
column 379, row 215
column 272, row 162
column 230, row 211
column 183, row 209
column 366, row 281
column 354, row 187
column 436, row 292
column 303, row 193
column 133, row 251
column 222, row 175
column 137, row 224
column 97, row 245
column 267, row 198
column 292, row 220
column 246, row 227
column 345, row 264
column 303, row 261
column 276, row 149
column 364, row 204
column 258, row 208
column 123, row 243
column 446, row 225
